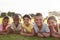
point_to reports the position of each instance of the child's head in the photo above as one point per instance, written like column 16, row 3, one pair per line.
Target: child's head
column 26, row 19
column 38, row 19
column 5, row 20
column 51, row 21
column 16, row 19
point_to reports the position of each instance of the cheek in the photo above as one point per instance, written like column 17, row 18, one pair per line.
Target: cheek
column 38, row 23
column 16, row 21
column 26, row 21
column 51, row 24
column 5, row 22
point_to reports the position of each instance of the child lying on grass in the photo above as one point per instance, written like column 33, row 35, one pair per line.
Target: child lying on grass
column 41, row 29
column 16, row 25
column 54, row 27
column 4, row 27
column 27, row 27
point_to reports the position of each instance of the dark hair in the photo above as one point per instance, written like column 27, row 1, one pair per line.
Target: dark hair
column 6, row 17
column 26, row 16
column 38, row 14
column 51, row 18
column 15, row 16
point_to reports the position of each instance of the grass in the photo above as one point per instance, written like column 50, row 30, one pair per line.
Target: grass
column 19, row 37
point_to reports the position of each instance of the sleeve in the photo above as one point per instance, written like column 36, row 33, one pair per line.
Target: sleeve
column 31, row 26
column 12, row 27
column 35, row 28
column 47, row 29
column 20, row 26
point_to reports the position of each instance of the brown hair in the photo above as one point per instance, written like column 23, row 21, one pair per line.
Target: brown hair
column 51, row 18
column 38, row 14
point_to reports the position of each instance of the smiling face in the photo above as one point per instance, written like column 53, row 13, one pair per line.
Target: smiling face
column 5, row 22
column 16, row 21
column 51, row 23
column 26, row 21
column 38, row 20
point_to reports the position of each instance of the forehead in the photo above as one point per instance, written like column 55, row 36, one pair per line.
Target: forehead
column 38, row 17
column 26, row 18
column 16, row 19
column 5, row 19
column 51, row 20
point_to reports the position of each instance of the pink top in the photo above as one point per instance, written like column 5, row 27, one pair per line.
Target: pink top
column 1, row 27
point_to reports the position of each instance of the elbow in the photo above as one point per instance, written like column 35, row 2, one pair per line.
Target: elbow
column 32, row 34
column 47, row 35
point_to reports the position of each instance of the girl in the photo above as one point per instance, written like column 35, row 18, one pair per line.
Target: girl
column 4, row 26
column 54, row 26
column 27, row 28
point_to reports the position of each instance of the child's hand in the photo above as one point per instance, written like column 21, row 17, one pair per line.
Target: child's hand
column 4, row 30
column 4, row 33
column 40, row 35
column 21, row 33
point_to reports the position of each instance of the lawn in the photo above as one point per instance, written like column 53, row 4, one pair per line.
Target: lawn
column 19, row 37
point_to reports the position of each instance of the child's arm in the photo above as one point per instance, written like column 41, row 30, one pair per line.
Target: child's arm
column 55, row 35
column 1, row 32
column 43, row 34
column 8, row 30
column 57, row 28
column 27, row 34
column 47, row 34
column 39, row 35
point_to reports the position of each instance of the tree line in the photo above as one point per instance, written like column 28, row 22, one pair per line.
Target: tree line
column 11, row 14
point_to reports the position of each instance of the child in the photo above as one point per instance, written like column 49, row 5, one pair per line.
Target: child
column 54, row 27
column 16, row 25
column 41, row 29
column 27, row 27
column 4, row 26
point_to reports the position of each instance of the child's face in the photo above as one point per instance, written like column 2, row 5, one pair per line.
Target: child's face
column 38, row 20
column 16, row 21
column 26, row 20
column 51, row 23
column 5, row 21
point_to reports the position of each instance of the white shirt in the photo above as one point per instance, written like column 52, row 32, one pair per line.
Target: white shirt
column 44, row 28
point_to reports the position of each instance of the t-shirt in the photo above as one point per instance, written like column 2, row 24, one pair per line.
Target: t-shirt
column 27, row 28
column 18, row 28
column 44, row 28
column 1, row 27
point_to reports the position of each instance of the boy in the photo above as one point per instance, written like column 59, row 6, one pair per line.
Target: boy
column 41, row 29
column 16, row 25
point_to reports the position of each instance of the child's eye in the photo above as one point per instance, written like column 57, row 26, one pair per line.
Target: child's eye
column 52, row 22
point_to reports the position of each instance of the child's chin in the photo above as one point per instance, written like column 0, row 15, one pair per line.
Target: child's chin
column 39, row 25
